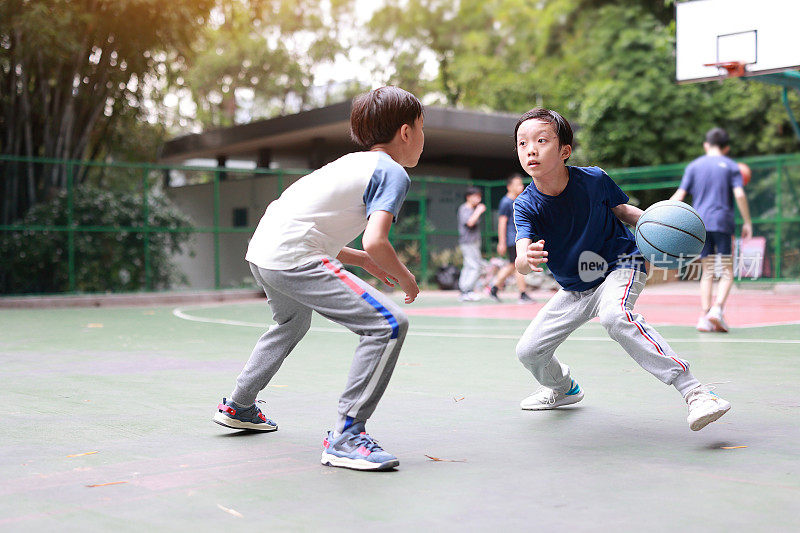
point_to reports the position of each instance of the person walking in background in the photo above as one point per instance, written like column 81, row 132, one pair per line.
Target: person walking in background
column 710, row 180
column 469, row 240
column 506, row 240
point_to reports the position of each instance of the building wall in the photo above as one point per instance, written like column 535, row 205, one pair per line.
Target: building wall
column 254, row 194
column 197, row 201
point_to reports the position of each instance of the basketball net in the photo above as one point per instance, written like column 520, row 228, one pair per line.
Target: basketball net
column 732, row 69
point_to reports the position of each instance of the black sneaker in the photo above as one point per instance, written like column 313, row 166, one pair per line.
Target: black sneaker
column 524, row 298
column 234, row 417
column 493, row 294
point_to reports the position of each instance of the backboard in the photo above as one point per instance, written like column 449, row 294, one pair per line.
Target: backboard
column 762, row 35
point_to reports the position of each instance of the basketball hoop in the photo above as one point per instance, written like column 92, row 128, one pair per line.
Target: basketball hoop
column 733, row 69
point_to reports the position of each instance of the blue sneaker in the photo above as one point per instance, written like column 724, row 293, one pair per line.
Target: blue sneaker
column 357, row 450
column 252, row 418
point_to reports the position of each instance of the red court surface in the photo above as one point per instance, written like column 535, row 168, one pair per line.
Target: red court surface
column 668, row 305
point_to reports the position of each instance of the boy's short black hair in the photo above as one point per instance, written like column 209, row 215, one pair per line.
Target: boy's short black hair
column 563, row 129
column 377, row 115
column 718, row 137
column 472, row 190
column 512, row 177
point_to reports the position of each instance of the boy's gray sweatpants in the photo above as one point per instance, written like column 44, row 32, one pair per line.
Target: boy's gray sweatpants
column 612, row 301
column 323, row 286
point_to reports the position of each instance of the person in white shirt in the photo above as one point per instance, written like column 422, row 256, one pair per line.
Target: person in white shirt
column 296, row 256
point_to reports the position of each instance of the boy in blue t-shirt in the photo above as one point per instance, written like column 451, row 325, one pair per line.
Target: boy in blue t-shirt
column 572, row 219
column 713, row 180
column 296, row 253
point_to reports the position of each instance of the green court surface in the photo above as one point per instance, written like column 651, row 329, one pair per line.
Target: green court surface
column 108, row 427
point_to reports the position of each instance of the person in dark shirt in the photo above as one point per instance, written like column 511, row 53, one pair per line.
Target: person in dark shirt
column 714, row 181
column 506, row 240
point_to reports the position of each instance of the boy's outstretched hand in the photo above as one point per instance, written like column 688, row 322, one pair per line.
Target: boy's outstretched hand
column 536, row 255
column 370, row 266
column 409, row 286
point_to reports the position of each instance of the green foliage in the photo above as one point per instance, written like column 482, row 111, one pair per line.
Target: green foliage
column 71, row 70
column 261, row 50
column 632, row 113
column 607, row 65
column 37, row 262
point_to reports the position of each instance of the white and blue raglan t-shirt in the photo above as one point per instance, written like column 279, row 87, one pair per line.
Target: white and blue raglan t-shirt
column 320, row 213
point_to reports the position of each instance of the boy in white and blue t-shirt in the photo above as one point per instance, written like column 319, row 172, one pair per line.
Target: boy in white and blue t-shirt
column 572, row 219
column 296, row 254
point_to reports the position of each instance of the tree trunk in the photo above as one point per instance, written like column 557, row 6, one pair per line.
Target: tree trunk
column 26, row 109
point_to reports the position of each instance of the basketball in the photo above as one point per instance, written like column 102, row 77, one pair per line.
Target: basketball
column 670, row 234
column 746, row 174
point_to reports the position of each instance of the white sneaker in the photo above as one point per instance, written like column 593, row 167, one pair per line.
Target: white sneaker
column 545, row 398
column 715, row 317
column 469, row 297
column 704, row 407
column 704, row 324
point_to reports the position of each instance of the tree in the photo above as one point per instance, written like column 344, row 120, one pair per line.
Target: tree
column 607, row 65
column 264, row 51
column 420, row 29
column 68, row 70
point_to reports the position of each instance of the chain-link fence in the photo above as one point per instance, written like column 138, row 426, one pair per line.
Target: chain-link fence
column 122, row 227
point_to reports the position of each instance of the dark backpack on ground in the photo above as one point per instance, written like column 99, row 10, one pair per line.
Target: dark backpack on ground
column 447, row 277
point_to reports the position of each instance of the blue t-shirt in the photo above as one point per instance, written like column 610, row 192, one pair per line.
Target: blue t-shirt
column 710, row 180
column 506, row 209
column 584, row 239
column 387, row 188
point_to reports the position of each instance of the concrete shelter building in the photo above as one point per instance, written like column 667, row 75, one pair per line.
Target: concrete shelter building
column 459, row 144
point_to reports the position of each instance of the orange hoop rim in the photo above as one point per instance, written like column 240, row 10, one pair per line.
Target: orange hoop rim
column 733, row 68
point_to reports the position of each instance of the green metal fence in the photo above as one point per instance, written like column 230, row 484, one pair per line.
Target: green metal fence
column 425, row 235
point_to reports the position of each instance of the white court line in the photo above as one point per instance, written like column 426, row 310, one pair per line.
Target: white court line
column 180, row 313
column 483, row 327
column 417, row 333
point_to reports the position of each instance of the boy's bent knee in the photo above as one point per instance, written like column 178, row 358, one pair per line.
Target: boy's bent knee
column 305, row 325
column 528, row 352
column 611, row 316
column 402, row 324
column 299, row 321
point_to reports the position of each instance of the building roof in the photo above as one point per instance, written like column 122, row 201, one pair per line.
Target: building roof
column 450, row 135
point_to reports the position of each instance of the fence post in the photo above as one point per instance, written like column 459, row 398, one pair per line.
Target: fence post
column 71, row 227
column 217, row 175
column 487, row 219
column 148, row 275
column 423, row 226
column 779, row 224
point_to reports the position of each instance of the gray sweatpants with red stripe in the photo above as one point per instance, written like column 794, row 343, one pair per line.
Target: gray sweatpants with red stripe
column 325, row 287
column 612, row 301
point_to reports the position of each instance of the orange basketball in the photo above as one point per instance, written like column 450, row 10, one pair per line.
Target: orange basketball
column 746, row 174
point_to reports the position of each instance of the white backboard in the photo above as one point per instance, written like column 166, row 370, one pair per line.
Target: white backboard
column 762, row 34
